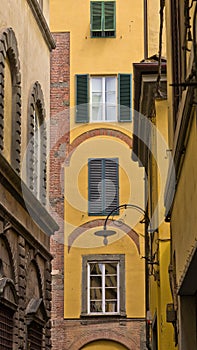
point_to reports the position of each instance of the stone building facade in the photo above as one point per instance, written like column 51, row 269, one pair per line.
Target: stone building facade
column 25, row 222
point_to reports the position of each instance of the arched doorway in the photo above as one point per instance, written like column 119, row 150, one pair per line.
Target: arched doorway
column 104, row 345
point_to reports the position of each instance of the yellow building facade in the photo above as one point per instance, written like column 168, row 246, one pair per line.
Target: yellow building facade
column 181, row 185
column 104, row 285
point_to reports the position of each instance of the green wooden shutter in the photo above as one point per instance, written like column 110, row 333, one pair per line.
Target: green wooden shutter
column 125, row 97
column 111, row 185
column 103, row 186
column 82, row 98
column 95, row 183
column 96, row 15
column 109, row 15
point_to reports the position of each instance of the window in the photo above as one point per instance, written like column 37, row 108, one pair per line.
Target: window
column 34, row 336
column 37, row 145
column 103, row 19
column 103, row 98
column 103, row 186
column 103, row 285
column 6, row 327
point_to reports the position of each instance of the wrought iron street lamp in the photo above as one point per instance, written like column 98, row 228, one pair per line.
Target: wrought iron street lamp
column 105, row 233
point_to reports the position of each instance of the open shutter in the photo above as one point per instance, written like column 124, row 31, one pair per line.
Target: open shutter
column 111, row 185
column 109, row 15
column 96, row 15
column 82, row 100
column 95, row 184
column 125, row 97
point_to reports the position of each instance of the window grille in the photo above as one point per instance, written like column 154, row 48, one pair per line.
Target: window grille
column 6, row 328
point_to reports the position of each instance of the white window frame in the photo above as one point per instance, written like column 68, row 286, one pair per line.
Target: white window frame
column 103, row 99
column 104, row 312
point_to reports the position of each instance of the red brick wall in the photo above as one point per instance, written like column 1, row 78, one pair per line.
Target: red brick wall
column 60, row 90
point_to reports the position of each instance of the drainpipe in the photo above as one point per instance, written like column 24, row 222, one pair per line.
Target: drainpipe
column 147, row 253
column 145, row 30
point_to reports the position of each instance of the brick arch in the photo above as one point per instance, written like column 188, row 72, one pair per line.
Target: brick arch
column 100, row 222
column 102, row 335
column 97, row 132
column 9, row 50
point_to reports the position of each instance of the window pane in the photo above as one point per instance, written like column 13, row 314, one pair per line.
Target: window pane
column 110, row 98
column 96, row 294
column 110, row 293
column 95, row 306
column 110, row 84
column 96, row 84
column 111, row 114
column 96, row 99
column 95, row 281
column 111, row 268
column 110, row 281
column 96, row 269
column 111, row 306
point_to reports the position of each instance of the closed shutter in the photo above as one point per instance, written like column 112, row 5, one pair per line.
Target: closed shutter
column 34, row 336
column 125, row 97
column 111, row 188
column 95, row 177
column 96, row 15
column 109, row 15
column 82, row 105
column 103, row 186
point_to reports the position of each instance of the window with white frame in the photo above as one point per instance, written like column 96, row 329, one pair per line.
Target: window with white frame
column 105, row 98
column 103, row 285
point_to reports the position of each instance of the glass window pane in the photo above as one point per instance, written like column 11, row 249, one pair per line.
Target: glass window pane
column 96, row 306
column 95, row 281
column 96, row 84
column 111, row 306
column 110, row 84
column 97, row 112
column 111, row 281
column 111, row 268
column 111, row 113
column 96, row 294
column 111, row 293
column 96, row 269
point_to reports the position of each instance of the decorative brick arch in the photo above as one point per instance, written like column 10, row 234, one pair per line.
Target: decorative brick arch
column 94, row 133
column 102, row 335
column 9, row 50
column 100, row 222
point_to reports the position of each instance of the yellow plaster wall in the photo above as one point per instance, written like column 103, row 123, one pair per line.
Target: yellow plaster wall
column 153, row 8
column 160, row 294
column 183, row 221
column 76, row 175
column 134, row 273
column 76, row 208
column 99, row 55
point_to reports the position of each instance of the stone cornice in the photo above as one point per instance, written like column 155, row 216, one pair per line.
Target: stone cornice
column 41, row 21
